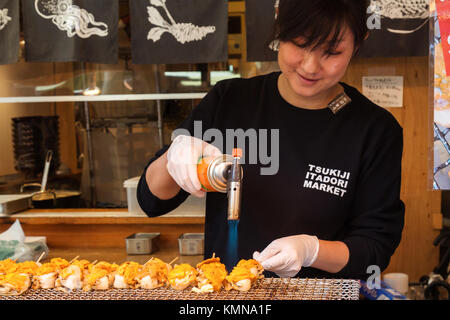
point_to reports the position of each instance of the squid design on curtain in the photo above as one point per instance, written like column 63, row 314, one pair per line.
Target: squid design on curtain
column 71, row 30
column 9, row 31
column 4, row 18
column 70, row 18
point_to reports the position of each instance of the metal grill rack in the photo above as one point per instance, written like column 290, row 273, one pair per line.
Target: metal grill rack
column 264, row 289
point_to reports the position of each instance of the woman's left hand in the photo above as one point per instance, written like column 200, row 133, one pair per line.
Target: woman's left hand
column 286, row 256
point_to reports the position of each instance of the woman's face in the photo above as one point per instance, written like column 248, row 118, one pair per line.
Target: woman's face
column 309, row 72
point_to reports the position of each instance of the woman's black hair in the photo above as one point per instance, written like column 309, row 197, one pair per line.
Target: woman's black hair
column 321, row 22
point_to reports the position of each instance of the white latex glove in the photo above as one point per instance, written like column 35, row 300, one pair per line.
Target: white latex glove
column 286, row 256
column 182, row 159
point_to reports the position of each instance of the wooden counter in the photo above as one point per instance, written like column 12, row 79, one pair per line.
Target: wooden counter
column 95, row 229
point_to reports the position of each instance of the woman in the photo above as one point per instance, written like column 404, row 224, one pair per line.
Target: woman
column 332, row 208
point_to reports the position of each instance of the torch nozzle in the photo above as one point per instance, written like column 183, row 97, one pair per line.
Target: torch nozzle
column 234, row 186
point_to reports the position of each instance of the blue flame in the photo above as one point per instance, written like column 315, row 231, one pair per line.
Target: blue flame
column 232, row 247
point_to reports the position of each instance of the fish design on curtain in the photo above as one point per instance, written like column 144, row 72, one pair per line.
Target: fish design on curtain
column 402, row 9
column 4, row 19
column 182, row 32
column 178, row 31
column 402, row 24
column 71, row 18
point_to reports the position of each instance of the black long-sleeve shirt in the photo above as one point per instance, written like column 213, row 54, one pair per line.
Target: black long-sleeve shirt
column 338, row 175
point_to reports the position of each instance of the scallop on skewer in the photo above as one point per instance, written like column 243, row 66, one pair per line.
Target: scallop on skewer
column 18, row 278
column 47, row 273
column 182, row 276
column 244, row 275
column 154, row 274
column 211, row 276
column 100, row 276
column 125, row 275
column 45, row 276
column 71, row 277
column 14, row 283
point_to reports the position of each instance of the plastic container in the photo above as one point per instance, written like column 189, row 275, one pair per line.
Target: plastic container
column 191, row 207
column 133, row 205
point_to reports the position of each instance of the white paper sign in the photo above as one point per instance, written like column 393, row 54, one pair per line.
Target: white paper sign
column 385, row 91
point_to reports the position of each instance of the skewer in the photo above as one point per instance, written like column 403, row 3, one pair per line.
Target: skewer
column 40, row 257
column 214, row 255
column 74, row 259
column 148, row 261
column 94, row 262
column 170, row 263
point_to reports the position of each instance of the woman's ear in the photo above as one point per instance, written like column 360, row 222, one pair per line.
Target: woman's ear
column 355, row 52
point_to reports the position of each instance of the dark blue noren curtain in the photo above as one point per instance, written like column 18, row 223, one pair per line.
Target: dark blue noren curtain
column 71, row 30
column 9, row 31
column 179, row 31
column 260, row 18
column 397, row 29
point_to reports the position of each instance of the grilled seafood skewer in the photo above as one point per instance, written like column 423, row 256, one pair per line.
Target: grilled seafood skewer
column 47, row 273
column 14, row 283
column 211, row 276
column 244, row 275
column 18, row 277
column 125, row 275
column 45, row 276
column 182, row 276
column 71, row 277
column 154, row 274
column 100, row 276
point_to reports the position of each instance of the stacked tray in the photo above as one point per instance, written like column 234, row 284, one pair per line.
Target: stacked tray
column 32, row 138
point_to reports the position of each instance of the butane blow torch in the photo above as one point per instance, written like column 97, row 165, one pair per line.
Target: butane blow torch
column 234, row 186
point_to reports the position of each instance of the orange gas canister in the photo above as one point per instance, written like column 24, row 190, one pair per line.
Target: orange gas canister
column 213, row 172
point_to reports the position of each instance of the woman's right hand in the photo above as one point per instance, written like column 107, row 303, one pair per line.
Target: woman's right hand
column 182, row 159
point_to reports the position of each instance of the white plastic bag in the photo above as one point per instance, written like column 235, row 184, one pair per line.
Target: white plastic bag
column 13, row 245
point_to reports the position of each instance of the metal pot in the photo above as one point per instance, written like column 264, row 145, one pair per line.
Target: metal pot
column 56, row 199
column 48, row 199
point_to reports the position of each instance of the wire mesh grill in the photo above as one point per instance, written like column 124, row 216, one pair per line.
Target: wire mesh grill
column 264, row 289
